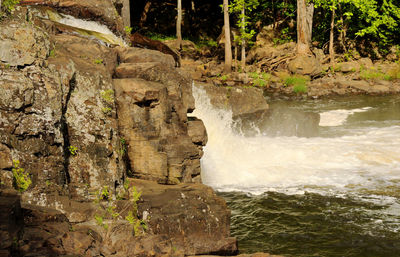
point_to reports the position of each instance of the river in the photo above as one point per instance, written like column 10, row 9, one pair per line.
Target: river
column 333, row 193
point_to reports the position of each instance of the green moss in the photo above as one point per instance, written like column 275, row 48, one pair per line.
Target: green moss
column 107, row 96
column 301, row 88
column 98, row 61
column 260, row 79
column 73, row 150
column 8, row 6
column 128, row 30
column 22, row 179
column 375, row 75
column 295, row 80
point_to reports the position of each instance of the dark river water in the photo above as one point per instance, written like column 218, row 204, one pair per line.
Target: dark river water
column 319, row 178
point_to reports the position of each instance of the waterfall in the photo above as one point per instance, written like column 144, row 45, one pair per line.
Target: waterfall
column 365, row 160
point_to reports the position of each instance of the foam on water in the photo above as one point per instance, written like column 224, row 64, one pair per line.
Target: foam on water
column 91, row 26
column 338, row 117
column 369, row 158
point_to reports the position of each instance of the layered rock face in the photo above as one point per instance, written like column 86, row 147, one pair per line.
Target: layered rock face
column 80, row 118
column 153, row 100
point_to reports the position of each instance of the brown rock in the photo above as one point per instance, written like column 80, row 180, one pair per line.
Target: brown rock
column 243, row 102
column 196, row 220
column 101, row 11
column 305, row 65
column 139, row 40
column 150, row 127
column 348, row 66
column 140, row 55
column 197, row 132
column 5, row 157
column 365, row 62
column 358, row 85
column 22, row 43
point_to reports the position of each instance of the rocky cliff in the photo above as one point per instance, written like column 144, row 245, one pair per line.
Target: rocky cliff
column 88, row 121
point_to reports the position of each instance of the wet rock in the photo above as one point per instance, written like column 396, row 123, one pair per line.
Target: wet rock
column 21, row 43
column 102, row 11
column 284, row 121
column 244, row 102
column 197, row 132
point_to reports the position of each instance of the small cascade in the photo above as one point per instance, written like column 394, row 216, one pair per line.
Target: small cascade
column 85, row 28
column 364, row 160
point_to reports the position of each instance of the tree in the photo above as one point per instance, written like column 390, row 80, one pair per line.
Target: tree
column 332, row 5
column 228, row 46
column 305, row 11
column 179, row 24
column 245, row 34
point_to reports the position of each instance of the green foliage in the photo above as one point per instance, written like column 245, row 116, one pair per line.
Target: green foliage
column 72, row 150
column 105, row 193
column 106, row 110
column 52, row 53
column 100, row 221
column 206, row 42
column 242, row 8
column 128, row 30
column 98, row 61
column 107, row 96
column 285, row 37
column 8, row 6
column 300, row 88
column 22, row 178
column 299, row 83
column 110, row 213
column 122, row 150
column 260, row 79
column 159, row 37
column 370, row 19
column 371, row 74
column 224, row 77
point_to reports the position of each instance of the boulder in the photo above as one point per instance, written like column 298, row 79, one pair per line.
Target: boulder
column 305, row 65
column 196, row 220
column 244, row 102
column 141, row 55
column 348, row 66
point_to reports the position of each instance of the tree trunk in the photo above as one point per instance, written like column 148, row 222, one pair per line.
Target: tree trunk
column 179, row 24
column 143, row 17
column 331, row 49
column 342, row 34
column 243, row 58
column 228, row 49
column 305, row 13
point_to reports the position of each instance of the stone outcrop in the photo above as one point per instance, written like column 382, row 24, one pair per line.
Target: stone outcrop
column 103, row 11
column 81, row 117
column 153, row 100
column 243, row 102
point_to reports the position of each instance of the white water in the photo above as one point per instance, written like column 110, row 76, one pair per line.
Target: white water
column 366, row 159
column 338, row 117
column 107, row 34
